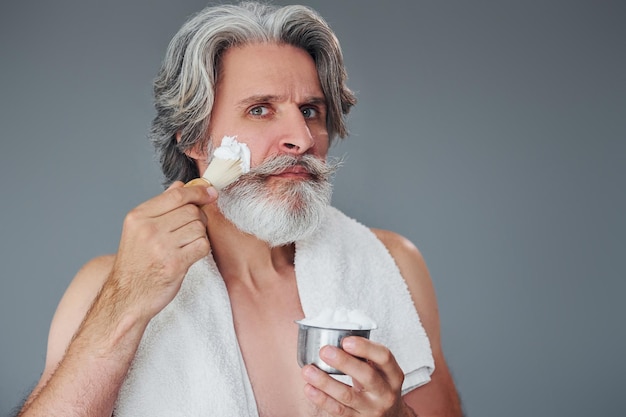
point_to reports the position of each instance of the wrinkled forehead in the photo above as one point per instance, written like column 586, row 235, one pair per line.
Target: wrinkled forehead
column 269, row 69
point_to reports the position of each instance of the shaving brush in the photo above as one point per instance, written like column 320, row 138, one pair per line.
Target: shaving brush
column 230, row 160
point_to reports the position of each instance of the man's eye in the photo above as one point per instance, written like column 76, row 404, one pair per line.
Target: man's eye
column 309, row 112
column 259, row 111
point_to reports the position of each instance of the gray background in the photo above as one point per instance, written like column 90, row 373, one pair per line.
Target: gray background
column 490, row 133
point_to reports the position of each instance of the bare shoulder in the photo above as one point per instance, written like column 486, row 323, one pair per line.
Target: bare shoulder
column 401, row 248
column 73, row 306
column 89, row 278
column 438, row 396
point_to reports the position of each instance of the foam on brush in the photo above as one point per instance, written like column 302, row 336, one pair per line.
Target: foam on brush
column 230, row 160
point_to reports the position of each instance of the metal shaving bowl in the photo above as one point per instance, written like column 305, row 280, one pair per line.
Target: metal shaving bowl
column 311, row 339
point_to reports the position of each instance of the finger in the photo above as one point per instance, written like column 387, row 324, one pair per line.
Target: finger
column 188, row 233
column 196, row 249
column 327, row 393
column 370, row 379
column 176, row 196
column 358, row 397
column 175, row 184
column 374, row 387
column 366, row 378
column 182, row 216
column 380, row 358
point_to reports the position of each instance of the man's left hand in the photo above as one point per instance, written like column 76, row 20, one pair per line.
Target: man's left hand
column 377, row 381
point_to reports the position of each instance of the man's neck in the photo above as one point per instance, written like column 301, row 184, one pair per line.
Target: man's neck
column 243, row 257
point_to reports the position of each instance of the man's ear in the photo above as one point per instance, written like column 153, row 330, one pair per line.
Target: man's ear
column 196, row 152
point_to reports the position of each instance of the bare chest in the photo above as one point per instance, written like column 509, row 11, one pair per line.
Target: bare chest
column 268, row 338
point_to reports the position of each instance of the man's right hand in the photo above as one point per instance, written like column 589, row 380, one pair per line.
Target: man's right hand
column 160, row 240
column 100, row 320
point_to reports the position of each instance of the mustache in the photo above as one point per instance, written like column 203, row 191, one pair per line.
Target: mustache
column 319, row 169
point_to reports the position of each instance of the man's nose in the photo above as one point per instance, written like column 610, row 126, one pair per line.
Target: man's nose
column 296, row 137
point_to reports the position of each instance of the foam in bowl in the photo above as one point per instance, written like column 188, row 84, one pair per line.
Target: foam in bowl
column 340, row 318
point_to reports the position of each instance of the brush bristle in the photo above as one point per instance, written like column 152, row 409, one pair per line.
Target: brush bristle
column 223, row 172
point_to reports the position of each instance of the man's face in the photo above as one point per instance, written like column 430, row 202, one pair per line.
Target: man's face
column 270, row 97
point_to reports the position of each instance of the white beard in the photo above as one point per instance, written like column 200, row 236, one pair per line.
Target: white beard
column 285, row 210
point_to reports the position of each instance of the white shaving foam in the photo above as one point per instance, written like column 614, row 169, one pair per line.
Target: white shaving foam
column 340, row 318
column 230, row 148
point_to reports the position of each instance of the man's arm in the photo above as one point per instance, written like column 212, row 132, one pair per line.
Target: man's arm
column 438, row 397
column 83, row 373
column 101, row 318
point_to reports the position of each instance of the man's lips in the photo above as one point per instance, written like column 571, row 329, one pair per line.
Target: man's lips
column 296, row 171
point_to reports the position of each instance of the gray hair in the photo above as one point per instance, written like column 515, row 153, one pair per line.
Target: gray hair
column 184, row 89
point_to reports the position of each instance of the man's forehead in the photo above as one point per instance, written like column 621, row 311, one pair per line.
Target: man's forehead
column 269, row 69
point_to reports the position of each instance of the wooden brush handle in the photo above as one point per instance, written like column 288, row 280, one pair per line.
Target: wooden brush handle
column 198, row 181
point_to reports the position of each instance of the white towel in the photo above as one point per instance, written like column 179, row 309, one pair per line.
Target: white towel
column 189, row 363
column 345, row 265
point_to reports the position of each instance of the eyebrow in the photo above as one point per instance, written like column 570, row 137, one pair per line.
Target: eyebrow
column 270, row 98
